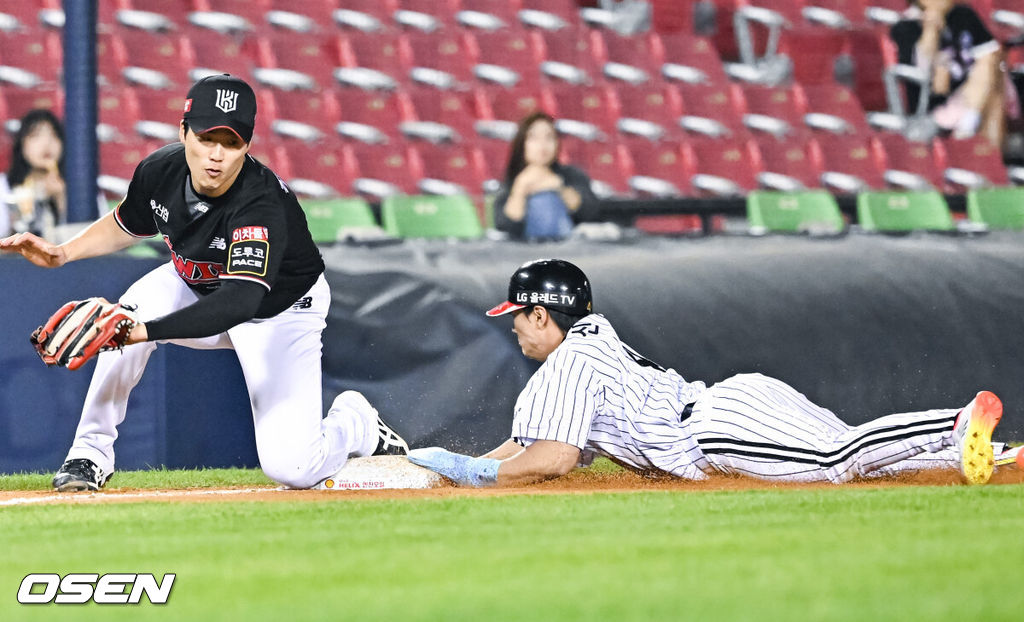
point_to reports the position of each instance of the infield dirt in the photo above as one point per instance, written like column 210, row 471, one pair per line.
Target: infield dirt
column 580, row 481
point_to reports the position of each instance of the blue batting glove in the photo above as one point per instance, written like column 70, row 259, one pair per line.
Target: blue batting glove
column 463, row 470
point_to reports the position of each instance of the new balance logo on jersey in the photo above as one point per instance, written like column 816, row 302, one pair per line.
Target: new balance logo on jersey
column 303, row 303
column 227, row 101
column 202, row 208
column 219, row 244
column 159, row 210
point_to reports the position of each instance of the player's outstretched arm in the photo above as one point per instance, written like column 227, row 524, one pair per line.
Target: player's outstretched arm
column 100, row 238
column 540, row 461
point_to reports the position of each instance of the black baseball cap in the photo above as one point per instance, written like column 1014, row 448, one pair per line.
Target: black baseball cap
column 551, row 283
column 221, row 101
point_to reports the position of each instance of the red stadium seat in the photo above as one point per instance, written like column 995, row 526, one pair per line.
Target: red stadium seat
column 453, row 109
column 394, row 164
column 736, row 160
column 26, row 11
column 158, row 105
column 511, row 104
column 779, row 102
column 637, row 51
column 721, row 103
column 852, row 10
column 570, row 47
column 381, row 110
column 381, row 10
column 512, row 48
column 589, row 104
column 119, row 159
column 441, row 51
column 505, row 10
column 662, row 106
column 835, row 100
column 694, row 52
column 813, row 51
column 441, row 10
column 311, row 54
column 15, row 102
column 37, row 51
column 320, row 11
column 118, row 109
column 857, row 156
column 219, row 52
column 606, row 163
column 915, row 158
column 567, row 10
column 171, row 9
column 251, row 10
column 796, row 157
column 379, row 51
column 164, row 53
column 975, row 155
column 319, row 110
column 462, row 165
column 318, row 162
column 663, row 161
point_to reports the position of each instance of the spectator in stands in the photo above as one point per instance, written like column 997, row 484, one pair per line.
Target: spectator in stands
column 32, row 193
column 540, row 197
column 965, row 63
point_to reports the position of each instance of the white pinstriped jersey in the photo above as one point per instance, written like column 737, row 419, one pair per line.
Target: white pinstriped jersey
column 596, row 393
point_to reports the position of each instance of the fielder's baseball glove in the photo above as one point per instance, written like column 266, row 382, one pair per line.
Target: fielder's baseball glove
column 81, row 329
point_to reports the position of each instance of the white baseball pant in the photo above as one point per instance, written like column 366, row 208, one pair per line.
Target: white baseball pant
column 280, row 359
column 754, row 425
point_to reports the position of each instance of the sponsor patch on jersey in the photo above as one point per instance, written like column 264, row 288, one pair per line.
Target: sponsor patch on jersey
column 248, row 257
column 249, row 233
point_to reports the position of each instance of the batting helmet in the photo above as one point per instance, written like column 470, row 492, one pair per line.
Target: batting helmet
column 551, row 283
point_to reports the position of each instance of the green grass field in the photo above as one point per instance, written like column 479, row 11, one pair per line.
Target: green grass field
column 844, row 553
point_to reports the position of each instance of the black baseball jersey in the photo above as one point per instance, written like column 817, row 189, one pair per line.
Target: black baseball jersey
column 256, row 231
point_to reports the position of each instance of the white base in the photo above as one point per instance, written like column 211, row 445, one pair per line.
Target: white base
column 380, row 473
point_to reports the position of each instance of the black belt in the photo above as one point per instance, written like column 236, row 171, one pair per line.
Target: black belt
column 687, row 411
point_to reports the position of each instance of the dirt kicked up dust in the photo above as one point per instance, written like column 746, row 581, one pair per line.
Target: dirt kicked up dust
column 578, row 482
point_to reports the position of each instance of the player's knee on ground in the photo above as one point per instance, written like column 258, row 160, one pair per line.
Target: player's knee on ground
column 294, row 473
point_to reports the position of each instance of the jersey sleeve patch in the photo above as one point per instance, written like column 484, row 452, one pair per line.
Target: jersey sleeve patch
column 249, row 251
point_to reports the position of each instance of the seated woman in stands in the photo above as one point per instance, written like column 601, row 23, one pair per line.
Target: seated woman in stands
column 952, row 43
column 32, row 193
column 540, row 198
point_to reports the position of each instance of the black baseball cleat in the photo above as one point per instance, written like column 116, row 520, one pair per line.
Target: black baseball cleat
column 389, row 443
column 80, row 474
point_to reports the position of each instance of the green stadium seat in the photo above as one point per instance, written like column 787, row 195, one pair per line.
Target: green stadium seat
column 329, row 218
column 903, row 211
column 427, row 216
column 999, row 208
column 812, row 211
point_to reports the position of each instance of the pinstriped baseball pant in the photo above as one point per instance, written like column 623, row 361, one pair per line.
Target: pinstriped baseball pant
column 754, row 425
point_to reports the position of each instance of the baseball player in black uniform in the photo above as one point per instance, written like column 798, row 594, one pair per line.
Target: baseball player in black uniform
column 244, row 274
column 596, row 396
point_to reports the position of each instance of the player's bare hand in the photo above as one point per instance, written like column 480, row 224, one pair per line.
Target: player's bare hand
column 35, row 249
